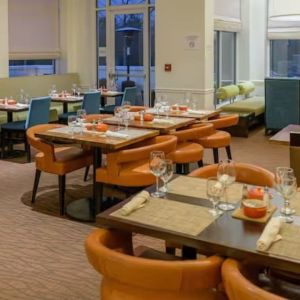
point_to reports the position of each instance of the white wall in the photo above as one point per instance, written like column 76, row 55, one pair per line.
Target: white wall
column 192, row 70
column 252, row 43
column 3, row 38
column 78, row 39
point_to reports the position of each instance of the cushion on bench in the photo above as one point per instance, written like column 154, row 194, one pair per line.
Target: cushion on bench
column 227, row 92
column 246, row 87
column 254, row 104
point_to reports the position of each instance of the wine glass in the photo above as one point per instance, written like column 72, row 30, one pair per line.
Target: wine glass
column 72, row 120
column 74, row 89
column 288, row 189
column 118, row 115
column 78, row 91
column 81, row 116
column 167, row 175
column 157, row 167
column 158, row 104
column 226, row 175
column 187, row 98
column 214, row 190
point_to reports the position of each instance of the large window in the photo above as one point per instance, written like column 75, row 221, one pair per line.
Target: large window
column 31, row 67
column 285, row 58
column 224, row 58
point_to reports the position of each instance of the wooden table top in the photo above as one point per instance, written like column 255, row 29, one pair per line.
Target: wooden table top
column 13, row 108
column 162, row 127
column 282, row 137
column 226, row 236
column 110, row 93
column 200, row 115
column 68, row 99
column 98, row 140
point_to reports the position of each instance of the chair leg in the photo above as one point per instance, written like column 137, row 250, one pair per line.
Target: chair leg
column 36, row 184
column 200, row 163
column 86, row 173
column 62, row 186
column 27, row 150
column 2, row 144
column 171, row 250
column 228, row 151
column 186, row 169
column 216, row 155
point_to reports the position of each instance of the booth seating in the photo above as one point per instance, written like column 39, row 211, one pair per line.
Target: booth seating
column 37, row 86
column 126, row 276
column 250, row 109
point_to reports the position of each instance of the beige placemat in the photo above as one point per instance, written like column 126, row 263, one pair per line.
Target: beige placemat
column 239, row 214
column 196, row 187
column 171, row 215
column 295, row 203
column 289, row 245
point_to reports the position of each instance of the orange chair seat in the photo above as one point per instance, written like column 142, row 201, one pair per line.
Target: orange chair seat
column 133, row 174
column 67, row 159
column 218, row 139
column 186, row 152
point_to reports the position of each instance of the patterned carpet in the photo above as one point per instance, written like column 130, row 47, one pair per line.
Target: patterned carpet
column 42, row 255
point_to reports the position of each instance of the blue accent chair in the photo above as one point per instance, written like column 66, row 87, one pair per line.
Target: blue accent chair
column 39, row 111
column 91, row 104
column 130, row 95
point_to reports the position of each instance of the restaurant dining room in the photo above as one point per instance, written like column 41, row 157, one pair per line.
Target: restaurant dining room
column 149, row 149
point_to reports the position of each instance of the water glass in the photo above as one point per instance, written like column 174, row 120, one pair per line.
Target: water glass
column 74, row 89
column 81, row 116
column 72, row 122
column 226, row 175
column 214, row 190
column 118, row 115
column 157, row 167
column 167, row 175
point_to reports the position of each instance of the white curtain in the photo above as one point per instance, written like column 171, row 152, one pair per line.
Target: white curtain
column 228, row 15
column 33, row 29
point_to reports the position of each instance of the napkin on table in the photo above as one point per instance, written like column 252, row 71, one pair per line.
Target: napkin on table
column 117, row 134
column 270, row 234
column 135, row 203
column 163, row 121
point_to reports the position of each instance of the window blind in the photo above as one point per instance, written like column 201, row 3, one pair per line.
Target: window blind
column 33, row 29
column 228, row 15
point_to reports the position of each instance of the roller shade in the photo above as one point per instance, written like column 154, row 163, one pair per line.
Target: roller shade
column 282, row 23
column 33, row 29
column 228, row 15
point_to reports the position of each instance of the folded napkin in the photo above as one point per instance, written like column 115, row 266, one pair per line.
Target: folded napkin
column 21, row 105
column 195, row 112
column 135, row 203
column 162, row 121
column 117, row 134
column 270, row 234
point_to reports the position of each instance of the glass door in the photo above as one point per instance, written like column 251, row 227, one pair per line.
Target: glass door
column 128, row 58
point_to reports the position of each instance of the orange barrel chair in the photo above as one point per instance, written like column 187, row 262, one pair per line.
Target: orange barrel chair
column 187, row 151
column 56, row 160
column 128, row 277
column 130, row 167
column 219, row 139
column 245, row 173
column 238, row 287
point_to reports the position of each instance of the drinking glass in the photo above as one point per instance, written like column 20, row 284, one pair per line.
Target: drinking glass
column 74, row 89
column 187, row 98
column 78, row 91
column 288, row 189
column 167, row 175
column 226, row 175
column 158, row 104
column 157, row 167
column 118, row 115
column 81, row 116
column 72, row 121
column 214, row 190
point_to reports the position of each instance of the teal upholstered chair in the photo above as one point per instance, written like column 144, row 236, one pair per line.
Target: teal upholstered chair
column 91, row 104
column 38, row 113
column 130, row 95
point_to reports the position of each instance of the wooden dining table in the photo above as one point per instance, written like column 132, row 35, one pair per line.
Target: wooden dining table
column 11, row 109
column 86, row 209
column 162, row 124
column 109, row 94
column 226, row 236
column 282, row 137
column 66, row 100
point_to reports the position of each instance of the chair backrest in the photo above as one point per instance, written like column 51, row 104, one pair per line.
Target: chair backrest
column 238, row 287
column 129, row 277
column 245, row 173
column 193, row 133
column 224, row 121
column 295, row 154
column 39, row 112
column 130, row 95
column 91, row 102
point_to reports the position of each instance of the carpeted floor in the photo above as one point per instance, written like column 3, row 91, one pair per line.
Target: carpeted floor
column 42, row 255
